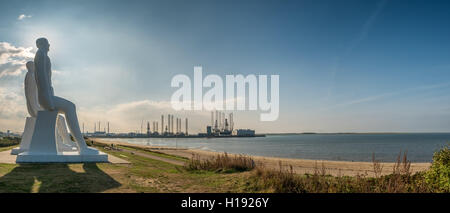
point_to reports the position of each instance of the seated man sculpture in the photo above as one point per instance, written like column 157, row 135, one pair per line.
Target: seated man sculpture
column 64, row 143
column 49, row 140
column 48, row 101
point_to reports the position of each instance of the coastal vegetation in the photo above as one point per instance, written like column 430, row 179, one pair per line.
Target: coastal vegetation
column 221, row 163
column 7, row 142
column 438, row 176
column 282, row 180
column 152, row 171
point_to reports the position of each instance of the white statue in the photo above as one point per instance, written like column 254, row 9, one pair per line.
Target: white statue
column 48, row 101
column 31, row 93
column 64, row 143
column 45, row 138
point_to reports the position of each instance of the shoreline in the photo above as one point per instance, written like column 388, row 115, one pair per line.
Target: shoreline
column 299, row 166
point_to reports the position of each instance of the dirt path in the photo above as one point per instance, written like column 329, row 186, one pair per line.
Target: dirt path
column 167, row 160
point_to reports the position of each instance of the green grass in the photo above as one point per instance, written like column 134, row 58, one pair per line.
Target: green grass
column 7, row 148
column 172, row 178
column 155, row 153
column 54, row 178
column 142, row 175
column 8, row 143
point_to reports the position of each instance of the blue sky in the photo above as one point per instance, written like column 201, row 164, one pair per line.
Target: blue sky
column 344, row 66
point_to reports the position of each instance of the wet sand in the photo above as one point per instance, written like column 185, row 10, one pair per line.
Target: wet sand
column 299, row 166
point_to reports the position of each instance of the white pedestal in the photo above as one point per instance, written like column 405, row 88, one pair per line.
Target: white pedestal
column 43, row 145
column 26, row 136
column 62, row 157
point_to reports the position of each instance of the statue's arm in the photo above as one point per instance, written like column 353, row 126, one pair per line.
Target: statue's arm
column 52, row 93
column 28, row 94
column 43, row 83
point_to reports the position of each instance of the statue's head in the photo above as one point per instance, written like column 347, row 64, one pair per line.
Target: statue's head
column 42, row 44
column 30, row 66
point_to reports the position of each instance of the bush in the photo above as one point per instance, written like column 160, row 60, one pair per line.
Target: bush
column 438, row 177
column 286, row 181
column 9, row 141
column 221, row 163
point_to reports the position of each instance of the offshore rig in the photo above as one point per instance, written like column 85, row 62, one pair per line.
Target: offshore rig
column 221, row 126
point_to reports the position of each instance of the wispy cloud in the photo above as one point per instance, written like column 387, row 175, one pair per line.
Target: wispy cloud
column 363, row 33
column 13, row 59
column 389, row 94
column 12, row 109
column 128, row 116
column 366, row 27
column 23, row 16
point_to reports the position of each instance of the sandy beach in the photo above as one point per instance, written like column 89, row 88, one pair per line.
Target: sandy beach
column 299, row 166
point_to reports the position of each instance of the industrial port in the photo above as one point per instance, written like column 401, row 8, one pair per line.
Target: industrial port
column 222, row 125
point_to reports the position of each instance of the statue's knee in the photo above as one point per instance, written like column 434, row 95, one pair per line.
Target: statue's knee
column 72, row 106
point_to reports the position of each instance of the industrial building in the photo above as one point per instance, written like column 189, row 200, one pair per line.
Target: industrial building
column 170, row 126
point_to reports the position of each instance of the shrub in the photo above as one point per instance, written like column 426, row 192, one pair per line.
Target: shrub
column 9, row 141
column 286, row 181
column 221, row 163
column 438, row 177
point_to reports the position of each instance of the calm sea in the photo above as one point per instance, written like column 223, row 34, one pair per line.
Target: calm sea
column 345, row 147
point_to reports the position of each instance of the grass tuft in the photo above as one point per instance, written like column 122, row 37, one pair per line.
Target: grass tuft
column 221, row 163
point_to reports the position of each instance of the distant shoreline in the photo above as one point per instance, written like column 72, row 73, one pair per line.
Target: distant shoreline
column 354, row 133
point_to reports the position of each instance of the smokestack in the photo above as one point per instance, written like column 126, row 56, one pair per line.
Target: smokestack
column 168, row 123
column 171, row 122
column 217, row 116
column 212, row 118
column 223, row 120
column 108, row 127
column 99, row 129
column 95, row 127
column 162, row 124
column 220, row 121
column 186, row 126
column 230, row 120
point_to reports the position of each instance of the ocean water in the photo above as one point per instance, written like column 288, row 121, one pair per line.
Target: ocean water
column 343, row 147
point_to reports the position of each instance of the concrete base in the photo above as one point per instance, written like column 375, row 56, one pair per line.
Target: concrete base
column 64, row 157
column 6, row 157
column 16, row 151
column 26, row 136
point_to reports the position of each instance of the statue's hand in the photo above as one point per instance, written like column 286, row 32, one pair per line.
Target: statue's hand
column 52, row 106
column 47, row 103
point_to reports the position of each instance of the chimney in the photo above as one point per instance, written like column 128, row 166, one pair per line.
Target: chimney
column 162, row 124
